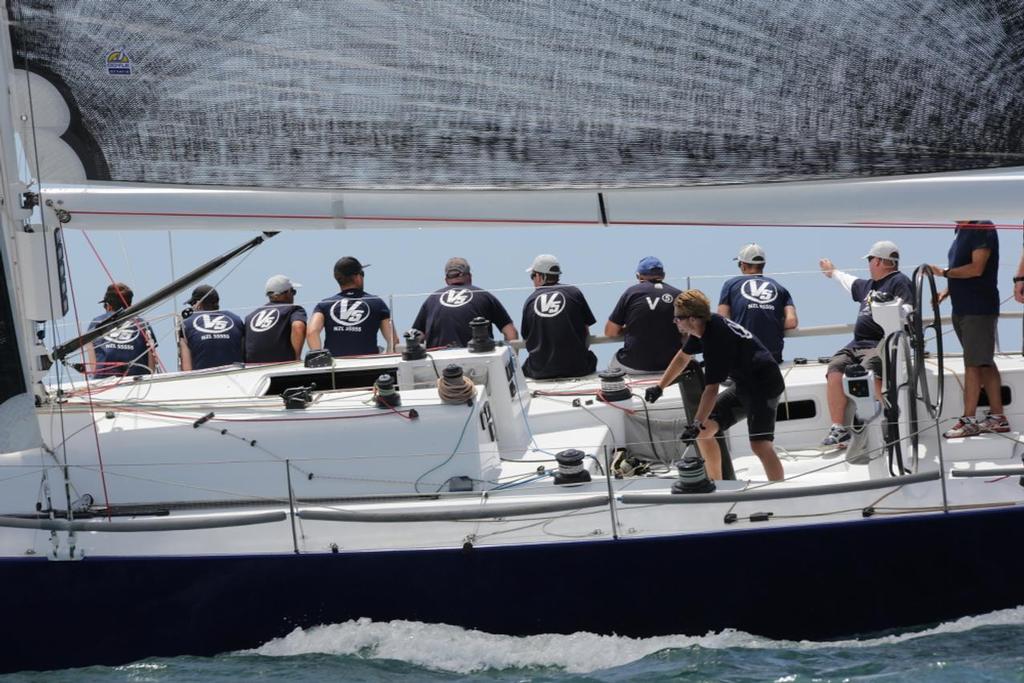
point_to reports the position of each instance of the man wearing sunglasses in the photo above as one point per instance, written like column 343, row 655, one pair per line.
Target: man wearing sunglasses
column 730, row 352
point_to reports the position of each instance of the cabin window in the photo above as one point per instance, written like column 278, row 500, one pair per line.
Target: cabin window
column 796, row 410
column 326, row 380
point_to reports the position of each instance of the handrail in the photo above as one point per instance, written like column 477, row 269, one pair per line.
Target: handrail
column 475, row 511
column 163, row 524
column 774, row 493
column 989, row 472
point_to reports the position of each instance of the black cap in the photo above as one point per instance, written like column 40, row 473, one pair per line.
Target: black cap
column 204, row 293
column 347, row 266
column 118, row 295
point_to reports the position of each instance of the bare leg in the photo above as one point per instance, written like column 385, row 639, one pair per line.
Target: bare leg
column 972, row 389
column 765, row 450
column 709, row 449
column 836, row 397
column 992, row 382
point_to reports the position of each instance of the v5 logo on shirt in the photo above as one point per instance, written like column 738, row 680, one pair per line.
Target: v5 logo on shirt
column 264, row 320
column 652, row 301
column 214, row 323
column 125, row 334
column 454, row 298
column 349, row 311
column 759, row 291
column 549, row 305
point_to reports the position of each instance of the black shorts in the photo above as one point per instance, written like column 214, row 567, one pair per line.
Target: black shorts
column 735, row 403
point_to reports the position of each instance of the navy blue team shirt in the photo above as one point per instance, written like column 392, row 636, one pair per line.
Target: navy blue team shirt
column 351, row 321
column 122, row 350
column 976, row 295
column 214, row 338
column 651, row 338
column 444, row 317
column 268, row 333
column 758, row 303
column 555, row 321
column 731, row 350
column 866, row 332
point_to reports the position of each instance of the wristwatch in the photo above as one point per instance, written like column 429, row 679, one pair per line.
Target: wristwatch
column 945, row 273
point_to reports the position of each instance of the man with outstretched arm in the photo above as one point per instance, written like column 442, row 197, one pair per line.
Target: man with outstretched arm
column 730, row 351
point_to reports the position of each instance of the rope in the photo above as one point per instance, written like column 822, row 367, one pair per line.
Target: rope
column 455, row 390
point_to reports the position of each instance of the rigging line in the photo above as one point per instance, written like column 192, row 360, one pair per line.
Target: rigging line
column 88, row 395
column 49, row 279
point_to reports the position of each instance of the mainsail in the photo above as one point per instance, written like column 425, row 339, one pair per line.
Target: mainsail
column 581, row 93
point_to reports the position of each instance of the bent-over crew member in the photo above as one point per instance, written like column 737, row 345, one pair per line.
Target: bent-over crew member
column 350, row 319
column 276, row 331
column 210, row 337
column 730, row 351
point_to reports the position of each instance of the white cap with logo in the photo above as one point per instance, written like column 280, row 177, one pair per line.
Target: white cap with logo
column 751, row 253
column 279, row 284
column 546, row 264
column 884, row 249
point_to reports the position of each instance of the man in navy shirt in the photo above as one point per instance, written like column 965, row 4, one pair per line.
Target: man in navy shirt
column 730, row 352
column 556, row 325
column 758, row 303
column 210, row 337
column 350, row 319
column 885, row 277
column 444, row 317
column 126, row 349
column 974, row 292
column 643, row 316
column 276, row 331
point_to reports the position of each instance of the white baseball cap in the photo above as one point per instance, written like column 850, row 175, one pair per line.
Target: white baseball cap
column 884, row 249
column 279, row 284
column 546, row 264
column 751, row 253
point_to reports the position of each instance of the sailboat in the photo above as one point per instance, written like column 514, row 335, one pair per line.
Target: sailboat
column 183, row 513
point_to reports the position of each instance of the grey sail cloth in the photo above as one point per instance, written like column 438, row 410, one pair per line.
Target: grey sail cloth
column 666, row 426
column 351, row 94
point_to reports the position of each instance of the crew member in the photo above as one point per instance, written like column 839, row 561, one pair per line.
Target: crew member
column 210, row 337
column 276, row 331
column 350, row 319
column 126, row 349
column 884, row 276
column 444, row 317
column 556, row 325
column 730, row 351
column 974, row 291
column 643, row 316
column 758, row 303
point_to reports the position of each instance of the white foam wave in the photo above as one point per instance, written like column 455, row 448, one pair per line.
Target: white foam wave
column 450, row 648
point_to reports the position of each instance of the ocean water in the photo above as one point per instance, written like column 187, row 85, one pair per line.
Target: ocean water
column 983, row 648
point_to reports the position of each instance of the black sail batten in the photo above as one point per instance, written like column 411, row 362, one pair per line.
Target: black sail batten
column 156, row 297
column 12, row 375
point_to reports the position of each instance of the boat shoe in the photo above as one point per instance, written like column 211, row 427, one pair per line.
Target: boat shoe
column 994, row 422
column 838, row 437
column 965, row 426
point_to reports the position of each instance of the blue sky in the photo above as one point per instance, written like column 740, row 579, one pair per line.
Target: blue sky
column 407, row 264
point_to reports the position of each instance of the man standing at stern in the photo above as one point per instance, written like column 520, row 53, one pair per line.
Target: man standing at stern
column 974, row 291
column 643, row 315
